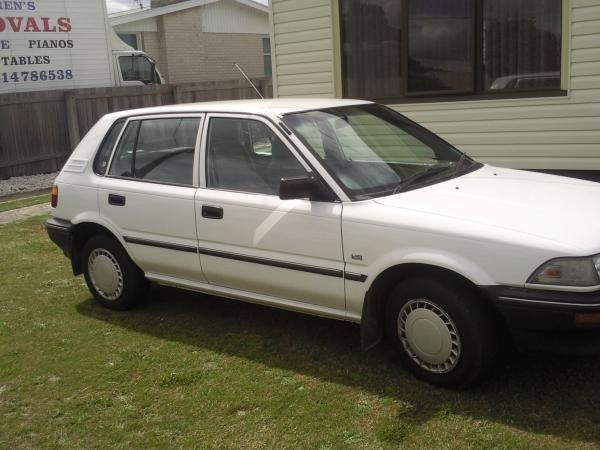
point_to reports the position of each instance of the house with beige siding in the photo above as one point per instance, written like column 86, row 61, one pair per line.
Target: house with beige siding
column 513, row 83
column 200, row 40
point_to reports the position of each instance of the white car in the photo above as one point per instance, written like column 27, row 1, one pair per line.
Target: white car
column 342, row 209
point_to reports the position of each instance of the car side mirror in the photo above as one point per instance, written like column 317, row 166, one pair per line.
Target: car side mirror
column 295, row 188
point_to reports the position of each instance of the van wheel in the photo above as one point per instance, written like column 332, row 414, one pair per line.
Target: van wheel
column 444, row 333
column 112, row 277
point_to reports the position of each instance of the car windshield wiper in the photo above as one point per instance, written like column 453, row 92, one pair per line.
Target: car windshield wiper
column 433, row 170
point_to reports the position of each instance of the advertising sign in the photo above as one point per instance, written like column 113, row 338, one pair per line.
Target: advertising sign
column 53, row 44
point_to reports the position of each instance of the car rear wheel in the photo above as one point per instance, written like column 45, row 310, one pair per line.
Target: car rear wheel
column 112, row 277
column 443, row 332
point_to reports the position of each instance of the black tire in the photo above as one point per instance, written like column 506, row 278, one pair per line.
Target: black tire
column 131, row 285
column 471, row 331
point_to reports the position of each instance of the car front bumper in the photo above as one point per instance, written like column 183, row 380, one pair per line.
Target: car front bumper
column 59, row 232
column 539, row 320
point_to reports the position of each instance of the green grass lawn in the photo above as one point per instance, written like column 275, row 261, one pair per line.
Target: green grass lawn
column 194, row 371
column 21, row 203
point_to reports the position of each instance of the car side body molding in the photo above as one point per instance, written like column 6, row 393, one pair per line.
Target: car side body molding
column 361, row 278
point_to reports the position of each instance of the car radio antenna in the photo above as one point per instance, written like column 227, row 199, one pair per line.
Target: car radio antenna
column 248, row 80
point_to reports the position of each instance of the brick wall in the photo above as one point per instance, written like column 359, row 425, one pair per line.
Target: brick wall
column 184, row 54
column 181, row 34
column 222, row 51
column 152, row 45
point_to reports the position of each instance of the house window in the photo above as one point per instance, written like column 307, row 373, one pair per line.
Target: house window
column 409, row 49
column 266, row 43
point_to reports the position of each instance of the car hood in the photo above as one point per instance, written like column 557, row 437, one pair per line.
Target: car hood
column 560, row 209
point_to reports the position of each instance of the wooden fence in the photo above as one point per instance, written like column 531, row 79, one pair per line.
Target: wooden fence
column 38, row 130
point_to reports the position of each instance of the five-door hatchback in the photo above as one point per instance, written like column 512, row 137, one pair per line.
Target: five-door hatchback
column 343, row 209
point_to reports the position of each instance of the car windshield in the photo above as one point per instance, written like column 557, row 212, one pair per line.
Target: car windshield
column 374, row 151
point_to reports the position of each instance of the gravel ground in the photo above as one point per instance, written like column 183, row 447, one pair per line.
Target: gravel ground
column 29, row 183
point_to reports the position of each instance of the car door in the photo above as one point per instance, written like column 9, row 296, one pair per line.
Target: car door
column 148, row 193
column 249, row 239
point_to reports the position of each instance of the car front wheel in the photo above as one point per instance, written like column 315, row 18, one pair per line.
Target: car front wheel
column 112, row 277
column 443, row 332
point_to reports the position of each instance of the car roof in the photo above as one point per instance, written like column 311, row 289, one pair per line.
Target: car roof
column 268, row 107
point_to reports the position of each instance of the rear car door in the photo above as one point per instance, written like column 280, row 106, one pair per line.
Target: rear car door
column 249, row 239
column 148, row 193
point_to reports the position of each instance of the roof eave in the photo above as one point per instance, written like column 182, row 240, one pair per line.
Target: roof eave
column 148, row 13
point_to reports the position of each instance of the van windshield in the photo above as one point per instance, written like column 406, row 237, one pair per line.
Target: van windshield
column 374, row 151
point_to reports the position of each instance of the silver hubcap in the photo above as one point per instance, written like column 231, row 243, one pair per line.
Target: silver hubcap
column 105, row 274
column 429, row 336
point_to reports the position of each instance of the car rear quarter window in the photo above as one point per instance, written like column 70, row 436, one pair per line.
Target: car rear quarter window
column 105, row 150
column 121, row 165
column 158, row 150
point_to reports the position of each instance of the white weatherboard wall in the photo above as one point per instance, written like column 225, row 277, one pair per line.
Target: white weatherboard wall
column 88, row 60
column 144, row 25
column 303, row 48
column 547, row 133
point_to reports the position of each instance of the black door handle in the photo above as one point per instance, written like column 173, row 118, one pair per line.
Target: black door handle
column 212, row 212
column 116, row 200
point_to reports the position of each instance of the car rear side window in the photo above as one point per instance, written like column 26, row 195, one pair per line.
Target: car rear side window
column 105, row 150
column 158, row 150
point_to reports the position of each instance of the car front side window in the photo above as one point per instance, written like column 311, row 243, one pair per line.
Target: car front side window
column 245, row 155
column 158, row 150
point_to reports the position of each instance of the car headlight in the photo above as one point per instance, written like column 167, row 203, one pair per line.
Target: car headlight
column 579, row 272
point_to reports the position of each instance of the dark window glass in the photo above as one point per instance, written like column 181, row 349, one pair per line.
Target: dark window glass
column 393, row 49
column 267, row 57
column 159, row 150
column 371, row 48
column 246, row 156
column 105, row 150
column 522, row 44
column 122, row 162
column 165, row 150
column 136, row 68
column 440, row 45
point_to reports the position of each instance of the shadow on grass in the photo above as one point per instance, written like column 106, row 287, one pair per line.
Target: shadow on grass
column 543, row 394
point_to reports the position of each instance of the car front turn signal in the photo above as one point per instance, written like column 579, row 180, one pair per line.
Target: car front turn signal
column 575, row 272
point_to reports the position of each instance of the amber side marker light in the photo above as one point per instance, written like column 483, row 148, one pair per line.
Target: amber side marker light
column 587, row 320
column 54, row 198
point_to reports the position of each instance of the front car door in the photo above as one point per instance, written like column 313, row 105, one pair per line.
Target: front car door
column 249, row 239
column 148, row 194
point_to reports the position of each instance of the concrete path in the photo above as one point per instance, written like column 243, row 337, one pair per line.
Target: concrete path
column 24, row 213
